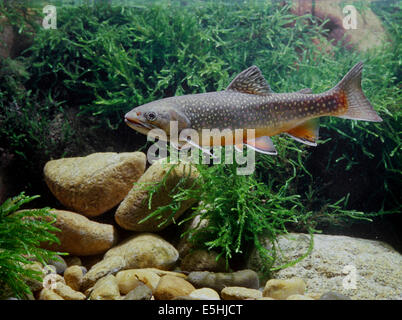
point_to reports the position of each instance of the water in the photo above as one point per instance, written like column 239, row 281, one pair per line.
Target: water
column 71, row 70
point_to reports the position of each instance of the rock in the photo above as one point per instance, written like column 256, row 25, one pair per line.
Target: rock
column 81, row 236
column 185, row 298
column 47, row 294
column 73, row 276
column 67, row 293
column 14, row 41
column 96, row 183
column 170, row 287
column 102, row 269
column 218, row 281
column 298, row 297
column 59, row 264
column 106, row 289
column 73, row 261
column 240, row 293
column 205, row 294
column 161, row 273
column 128, row 280
column 84, row 270
column 203, row 260
column 196, row 224
column 134, row 208
column 281, row 289
column 369, row 32
column 333, row 296
column 336, row 260
column 145, row 250
column 140, row 292
column 136, row 252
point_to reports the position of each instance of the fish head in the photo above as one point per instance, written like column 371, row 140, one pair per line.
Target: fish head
column 156, row 115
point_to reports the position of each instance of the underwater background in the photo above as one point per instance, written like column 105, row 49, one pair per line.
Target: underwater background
column 64, row 91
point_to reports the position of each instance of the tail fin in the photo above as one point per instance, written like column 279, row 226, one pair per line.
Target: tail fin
column 359, row 108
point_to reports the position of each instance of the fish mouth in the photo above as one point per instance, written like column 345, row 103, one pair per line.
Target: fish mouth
column 136, row 123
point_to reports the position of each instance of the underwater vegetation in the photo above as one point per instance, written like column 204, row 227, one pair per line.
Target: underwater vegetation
column 68, row 92
column 21, row 233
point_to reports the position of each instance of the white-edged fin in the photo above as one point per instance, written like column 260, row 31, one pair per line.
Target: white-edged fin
column 199, row 147
column 306, row 132
column 250, row 81
column 180, row 145
column 313, row 144
column 262, row 144
column 239, row 147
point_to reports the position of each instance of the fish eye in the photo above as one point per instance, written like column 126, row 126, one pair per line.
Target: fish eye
column 151, row 116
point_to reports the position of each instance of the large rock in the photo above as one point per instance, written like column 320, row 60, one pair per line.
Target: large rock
column 140, row 292
column 73, row 277
column 135, row 206
column 96, row 183
column 356, row 268
column 170, row 287
column 281, row 289
column 68, row 293
column 139, row 251
column 240, row 293
column 106, row 289
column 220, row 280
column 14, row 41
column 369, row 32
column 128, row 280
column 203, row 260
column 81, row 236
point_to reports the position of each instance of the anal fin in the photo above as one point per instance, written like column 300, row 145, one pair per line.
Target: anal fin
column 262, row 144
column 306, row 133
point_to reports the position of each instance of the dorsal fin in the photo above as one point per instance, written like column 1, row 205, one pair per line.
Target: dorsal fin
column 250, row 81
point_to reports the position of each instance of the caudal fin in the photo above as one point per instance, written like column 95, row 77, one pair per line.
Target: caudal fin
column 359, row 108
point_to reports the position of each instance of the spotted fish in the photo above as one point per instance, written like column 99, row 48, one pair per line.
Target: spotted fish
column 249, row 103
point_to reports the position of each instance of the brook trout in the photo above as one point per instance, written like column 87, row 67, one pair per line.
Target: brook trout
column 249, row 103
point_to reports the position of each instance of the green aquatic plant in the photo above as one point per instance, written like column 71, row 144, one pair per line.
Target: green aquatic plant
column 242, row 211
column 21, row 233
column 107, row 59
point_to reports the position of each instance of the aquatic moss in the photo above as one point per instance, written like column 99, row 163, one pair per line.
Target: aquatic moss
column 21, row 233
column 244, row 210
column 108, row 59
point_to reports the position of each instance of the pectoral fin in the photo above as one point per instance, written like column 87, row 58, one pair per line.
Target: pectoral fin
column 306, row 133
column 262, row 144
column 239, row 147
column 190, row 142
column 180, row 145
